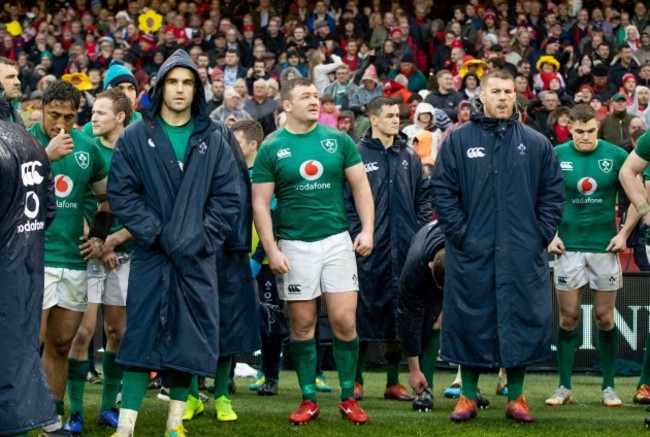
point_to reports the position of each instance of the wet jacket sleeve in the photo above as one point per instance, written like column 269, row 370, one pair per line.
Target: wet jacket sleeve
column 411, row 309
column 423, row 196
column 223, row 205
column 446, row 193
column 550, row 200
column 51, row 197
column 124, row 188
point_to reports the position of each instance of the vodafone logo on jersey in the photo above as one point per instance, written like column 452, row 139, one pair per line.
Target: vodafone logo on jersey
column 311, row 170
column 62, row 185
column 587, row 186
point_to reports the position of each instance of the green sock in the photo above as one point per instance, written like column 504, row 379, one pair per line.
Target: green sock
column 515, row 382
column 469, row 377
column 304, row 360
column 77, row 373
column 393, row 359
column 221, row 377
column 346, row 354
column 567, row 345
column 134, row 387
column 112, row 379
column 361, row 361
column 179, row 386
column 59, row 407
column 20, row 435
column 429, row 356
column 645, row 370
column 194, row 387
column 608, row 350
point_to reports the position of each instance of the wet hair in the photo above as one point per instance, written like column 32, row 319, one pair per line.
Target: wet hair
column 290, row 85
column 251, row 129
column 438, row 268
column 375, row 105
column 62, row 91
column 582, row 113
column 121, row 103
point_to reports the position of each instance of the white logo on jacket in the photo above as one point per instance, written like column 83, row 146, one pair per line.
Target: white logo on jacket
column 30, row 174
column 476, row 152
column 371, row 166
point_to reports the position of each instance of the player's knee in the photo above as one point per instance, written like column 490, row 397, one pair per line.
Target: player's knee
column 58, row 345
column 605, row 320
column 344, row 326
column 302, row 330
column 114, row 332
column 570, row 319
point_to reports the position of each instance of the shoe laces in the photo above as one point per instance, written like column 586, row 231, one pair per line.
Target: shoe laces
column 352, row 405
column 464, row 404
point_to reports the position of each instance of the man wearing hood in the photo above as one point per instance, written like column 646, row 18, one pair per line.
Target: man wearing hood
column 403, row 205
column 499, row 198
column 174, row 185
column 370, row 88
column 639, row 106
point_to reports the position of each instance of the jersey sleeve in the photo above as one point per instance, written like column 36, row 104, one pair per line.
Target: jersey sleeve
column 351, row 155
column 643, row 146
column 621, row 156
column 263, row 167
column 100, row 167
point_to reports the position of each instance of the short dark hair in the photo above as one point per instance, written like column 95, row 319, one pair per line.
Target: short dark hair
column 582, row 113
column 251, row 129
column 62, row 91
column 637, row 134
column 415, row 97
column 375, row 105
column 121, row 103
column 497, row 74
column 290, row 85
column 327, row 99
column 233, row 51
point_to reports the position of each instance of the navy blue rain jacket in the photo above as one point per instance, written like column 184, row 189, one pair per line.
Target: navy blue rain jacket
column 499, row 198
column 179, row 220
column 27, row 207
column 403, row 205
column 238, row 301
column 420, row 298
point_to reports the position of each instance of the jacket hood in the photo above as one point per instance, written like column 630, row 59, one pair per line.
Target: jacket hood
column 180, row 58
column 424, row 108
column 634, row 109
column 465, row 103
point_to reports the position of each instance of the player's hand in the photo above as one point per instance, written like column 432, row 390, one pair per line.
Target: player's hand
column 90, row 248
column 617, row 244
column 363, row 243
column 417, row 381
column 279, row 263
column 556, row 246
column 646, row 219
column 60, row 146
column 109, row 259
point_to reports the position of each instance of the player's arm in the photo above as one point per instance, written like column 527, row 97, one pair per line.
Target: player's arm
column 262, row 196
column 556, row 246
column 365, row 205
column 619, row 242
column 629, row 176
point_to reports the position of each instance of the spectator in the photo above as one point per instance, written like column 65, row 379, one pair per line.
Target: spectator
column 273, row 39
column 422, row 120
column 442, row 53
column 629, row 85
column 623, row 65
column 258, row 71
column 539, row 110
column 329, row 113
column 416, row 80
column 319, row 71
column 644, row 75
column 233, row 70
column 260, row 107
column 232, row 107
column 558, row 126
column 218, row 89
column 342, row 89
column 603, row 88
column 445, row 97
column 320, row 15
column 614, row 128
column 386, row 59
column 346, row 124
column 643, row 53
column 639, row 105
column 548, row 68
column 371, row 88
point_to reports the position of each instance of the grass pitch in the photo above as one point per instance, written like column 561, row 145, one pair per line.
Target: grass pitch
column 269, row 416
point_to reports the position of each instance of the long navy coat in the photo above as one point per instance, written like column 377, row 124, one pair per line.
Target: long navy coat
column 27, row 207
column 499, row 197
column 238, row 300
column 402, row 206
column 179, row 220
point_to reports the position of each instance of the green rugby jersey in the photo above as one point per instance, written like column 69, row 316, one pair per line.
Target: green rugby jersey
column 309, row 175
column 73, row 175
column 591, row 183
